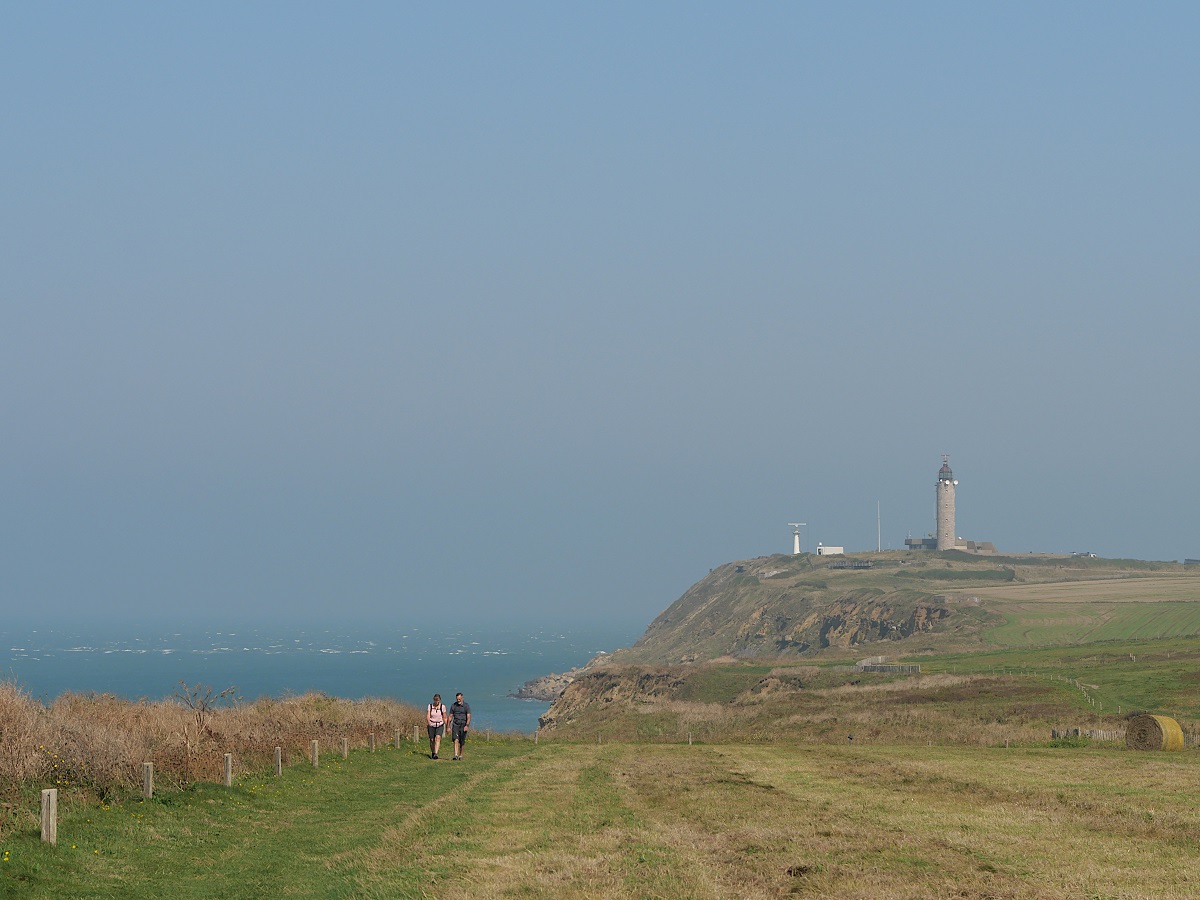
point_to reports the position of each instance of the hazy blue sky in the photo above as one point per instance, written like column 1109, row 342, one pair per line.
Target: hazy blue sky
column 388, row 311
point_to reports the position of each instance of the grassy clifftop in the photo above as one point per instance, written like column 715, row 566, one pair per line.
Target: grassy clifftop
column 900, row 602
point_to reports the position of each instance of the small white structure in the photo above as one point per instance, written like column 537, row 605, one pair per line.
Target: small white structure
column 822, row 550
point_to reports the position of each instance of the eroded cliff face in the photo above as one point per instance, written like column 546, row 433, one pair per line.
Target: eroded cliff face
column 848, row 623
column 763, row 610
column 548, row 687
column 618, row 685
column 842, row 623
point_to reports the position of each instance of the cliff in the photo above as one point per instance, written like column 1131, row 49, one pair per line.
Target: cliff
column 794, row 605
column 804, row 604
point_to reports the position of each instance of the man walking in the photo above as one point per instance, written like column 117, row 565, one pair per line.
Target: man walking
column 460, row 721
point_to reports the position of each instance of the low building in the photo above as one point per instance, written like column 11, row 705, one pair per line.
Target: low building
column 822, row 550
column 930, row 543
column 975, row 546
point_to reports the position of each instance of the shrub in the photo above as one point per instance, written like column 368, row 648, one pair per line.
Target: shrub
column 96, row 743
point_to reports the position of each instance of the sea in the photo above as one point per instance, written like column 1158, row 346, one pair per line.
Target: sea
column 408, row 664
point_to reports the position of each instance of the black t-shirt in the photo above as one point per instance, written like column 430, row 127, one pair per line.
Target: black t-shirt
column 459, row 712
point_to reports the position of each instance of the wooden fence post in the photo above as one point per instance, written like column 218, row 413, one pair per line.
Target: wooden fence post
column 316, row 758
column 278, row 761
column 147, row 780
column 397, row 738
column 50, row 816
column 416, row 740
column 228, row 770
column 371, row 741
column 345, row 748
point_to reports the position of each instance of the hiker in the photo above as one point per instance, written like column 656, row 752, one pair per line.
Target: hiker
column 460, row 721
column 435, row 722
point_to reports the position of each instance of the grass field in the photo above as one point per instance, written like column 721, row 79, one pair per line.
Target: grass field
column 623, row 820
column 1081, row 611
column 1111, row 590
column 1158, row 675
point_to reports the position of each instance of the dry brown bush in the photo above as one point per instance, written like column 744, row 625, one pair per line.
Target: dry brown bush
column 98, row 742
column 20, row 721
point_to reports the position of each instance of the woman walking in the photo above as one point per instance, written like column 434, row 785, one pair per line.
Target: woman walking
column 435, row 722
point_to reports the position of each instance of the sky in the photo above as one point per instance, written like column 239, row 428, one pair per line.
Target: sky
column 536, row 312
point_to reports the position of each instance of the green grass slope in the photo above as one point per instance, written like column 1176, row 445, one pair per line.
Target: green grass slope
column 310, row 833
column 569, row 820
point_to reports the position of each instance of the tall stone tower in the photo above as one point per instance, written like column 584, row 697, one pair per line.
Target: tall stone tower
column 945, row 505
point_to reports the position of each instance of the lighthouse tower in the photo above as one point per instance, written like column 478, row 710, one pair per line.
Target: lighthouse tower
column 945, row 505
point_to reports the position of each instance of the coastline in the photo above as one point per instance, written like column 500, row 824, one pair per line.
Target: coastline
column 548, row 688
column 350, row 663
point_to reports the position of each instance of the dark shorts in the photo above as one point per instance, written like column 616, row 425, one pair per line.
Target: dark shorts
column 435, row 731
column 460, row 733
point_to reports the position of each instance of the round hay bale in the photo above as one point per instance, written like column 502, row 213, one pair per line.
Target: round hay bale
column 1153, row 733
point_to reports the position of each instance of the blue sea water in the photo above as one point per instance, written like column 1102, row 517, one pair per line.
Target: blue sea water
column 407, row 664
